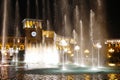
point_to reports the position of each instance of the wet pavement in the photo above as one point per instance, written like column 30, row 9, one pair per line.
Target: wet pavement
column 10, row 72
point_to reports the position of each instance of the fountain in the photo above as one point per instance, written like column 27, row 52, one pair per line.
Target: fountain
column 16, row 40
column 91, row 35
column 3, row 51
column 65, row 46
column 79, row 41
column 40, row 45
column 72, row 46
column 5, row 66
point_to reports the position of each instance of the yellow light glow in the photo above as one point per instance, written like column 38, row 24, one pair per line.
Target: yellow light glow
column 111, row 64
column 86, row 51
column 109, row 56
column 18, row 41
column 0, row 46
column 21, row 47
column 27, row 24
column 112, row 76
column 30, row 23
column 5, row 53
column 111, row 50
column 72, row 55
column 63, row 42
column 49, row 34
column 69, row 51
column 7, row 46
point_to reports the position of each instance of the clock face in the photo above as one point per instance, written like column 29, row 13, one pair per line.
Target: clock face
column 33, row 33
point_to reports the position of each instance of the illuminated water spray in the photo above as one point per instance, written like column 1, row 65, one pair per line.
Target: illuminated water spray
column 81, row 44
column 40, row 51
column 4, row 51
column 17, row 34
column 92, row 16
column 69, row 47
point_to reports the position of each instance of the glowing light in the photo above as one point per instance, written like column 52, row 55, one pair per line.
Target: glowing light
column 98, row 45
column 77, row 47
column 72, row 55
column 18, row 40
column 109, row 56
column 33, row 54
column 86, row 51
column 11, row 50
column 113, row 77
column 4, row 51
column 94, row 68
column 51, row 56
column 111, row 64
column 41, row 56
column 111, row 50
column 17, row 50
column 63, row 42
column 7, row 47
column 64, row 68
column 65, row 49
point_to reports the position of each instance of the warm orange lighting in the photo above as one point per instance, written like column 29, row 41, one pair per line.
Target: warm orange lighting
column 86, row 51
column 49, row 34
column 111, row 50
column 111, row 64
column 113, row 76
column 32, row 23
column 109, row 56
column 21, row 47
column 63, row 43
column 7, row 47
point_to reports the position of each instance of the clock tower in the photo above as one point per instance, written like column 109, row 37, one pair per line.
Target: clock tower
column 33, row 30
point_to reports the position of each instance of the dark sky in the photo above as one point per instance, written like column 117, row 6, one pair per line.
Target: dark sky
column 113, row 17
column 112, row 14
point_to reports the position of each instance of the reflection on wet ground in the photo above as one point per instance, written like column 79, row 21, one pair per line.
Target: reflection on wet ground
column 8, row 72
column 73, row 77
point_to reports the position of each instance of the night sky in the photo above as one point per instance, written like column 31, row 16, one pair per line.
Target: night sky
column 112, row 15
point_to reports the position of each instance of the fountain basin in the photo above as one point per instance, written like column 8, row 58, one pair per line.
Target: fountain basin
column 74, row 70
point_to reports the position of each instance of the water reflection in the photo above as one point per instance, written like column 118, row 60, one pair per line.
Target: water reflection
column 9, row 72
column 73, row 77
